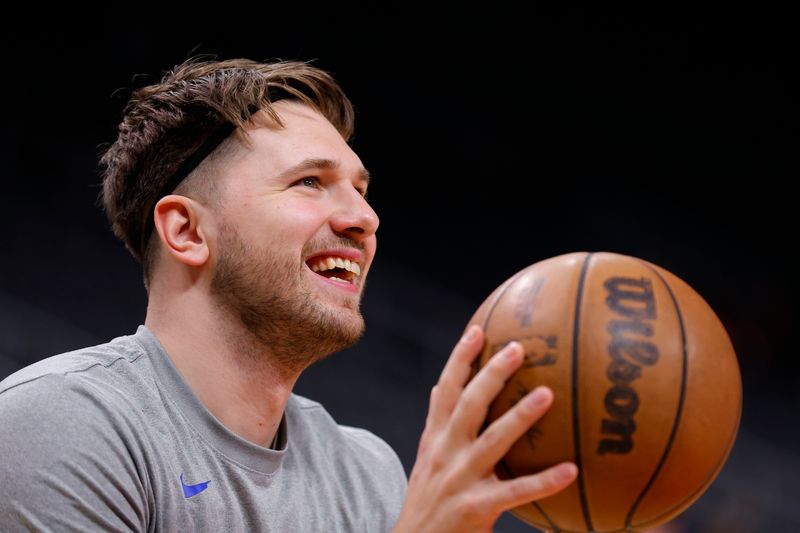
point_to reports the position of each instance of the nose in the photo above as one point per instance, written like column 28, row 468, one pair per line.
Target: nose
column 354, row 217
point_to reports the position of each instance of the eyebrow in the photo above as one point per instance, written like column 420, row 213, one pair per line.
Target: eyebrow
column 315, row 163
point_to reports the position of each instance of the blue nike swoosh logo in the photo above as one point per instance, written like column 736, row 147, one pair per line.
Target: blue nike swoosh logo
column 193, row 490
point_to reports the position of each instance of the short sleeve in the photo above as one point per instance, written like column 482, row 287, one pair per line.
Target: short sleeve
column 69, row 460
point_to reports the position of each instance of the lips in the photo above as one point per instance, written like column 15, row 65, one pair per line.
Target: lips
column 324, row 265
column 340, row 267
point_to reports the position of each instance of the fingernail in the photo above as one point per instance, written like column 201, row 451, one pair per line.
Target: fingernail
column 511, row 350
column 565, row 471
column 471, row 333
column 538, row 397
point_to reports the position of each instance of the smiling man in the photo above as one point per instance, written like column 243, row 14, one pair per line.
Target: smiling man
column 234, row 185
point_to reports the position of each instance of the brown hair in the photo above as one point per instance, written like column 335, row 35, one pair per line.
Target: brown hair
column 166, row 126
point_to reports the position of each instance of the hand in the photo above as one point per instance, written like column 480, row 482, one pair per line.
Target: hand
column 453, row 487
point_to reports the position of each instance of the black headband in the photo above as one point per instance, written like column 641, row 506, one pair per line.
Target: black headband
column 188, row 165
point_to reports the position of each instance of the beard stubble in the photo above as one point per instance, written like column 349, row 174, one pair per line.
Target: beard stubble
column 267, row 294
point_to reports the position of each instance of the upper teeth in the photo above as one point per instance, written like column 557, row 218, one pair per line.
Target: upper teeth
column 321, row 264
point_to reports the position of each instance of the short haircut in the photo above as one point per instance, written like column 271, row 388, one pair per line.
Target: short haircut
column 168, row 128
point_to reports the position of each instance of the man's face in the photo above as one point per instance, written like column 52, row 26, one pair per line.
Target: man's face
column 295, row 237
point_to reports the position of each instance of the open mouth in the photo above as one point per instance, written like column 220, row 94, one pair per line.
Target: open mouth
column 335, row 268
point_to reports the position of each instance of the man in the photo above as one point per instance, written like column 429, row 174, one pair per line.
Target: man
column 233, row 183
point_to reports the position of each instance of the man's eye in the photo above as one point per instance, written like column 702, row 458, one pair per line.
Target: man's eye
column 310, row 181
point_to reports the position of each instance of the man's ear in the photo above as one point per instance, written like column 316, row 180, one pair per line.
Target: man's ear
column 181, row 227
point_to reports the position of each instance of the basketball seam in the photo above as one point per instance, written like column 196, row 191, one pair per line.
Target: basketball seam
column 706, row 483
column 575, row 421
column 494, row 305
column 709, row 479
column 478, row 366
column 679, row 409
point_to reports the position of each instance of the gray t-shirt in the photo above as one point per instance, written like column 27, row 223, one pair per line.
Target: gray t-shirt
column 111, row 438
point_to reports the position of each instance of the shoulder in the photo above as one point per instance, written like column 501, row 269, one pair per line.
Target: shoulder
column 347, row 460
column 312, row 423
column 68, row 437
column 69, row 398
column 75, row 365
column 368, row 442
column 58, row 422
column 58, row 413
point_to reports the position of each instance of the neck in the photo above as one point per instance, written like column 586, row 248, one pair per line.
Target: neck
column 227, row 368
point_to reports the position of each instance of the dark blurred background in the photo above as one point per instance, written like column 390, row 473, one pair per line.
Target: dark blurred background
column 497, row 138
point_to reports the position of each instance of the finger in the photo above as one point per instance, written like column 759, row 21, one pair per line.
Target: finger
column 512, row 493
column 454, row 376
column 470, row 413
column 496, row 439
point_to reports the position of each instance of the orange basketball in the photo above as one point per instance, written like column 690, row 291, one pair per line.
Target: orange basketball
column 647, row 388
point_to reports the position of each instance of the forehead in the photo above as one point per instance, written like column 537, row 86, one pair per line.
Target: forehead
column 305, row 135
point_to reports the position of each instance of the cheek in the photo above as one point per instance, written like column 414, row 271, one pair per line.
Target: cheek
column 289, row 224
column 372, row 245
column 298, row 218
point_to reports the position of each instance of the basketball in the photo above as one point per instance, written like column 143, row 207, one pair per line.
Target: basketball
column 647, row 388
